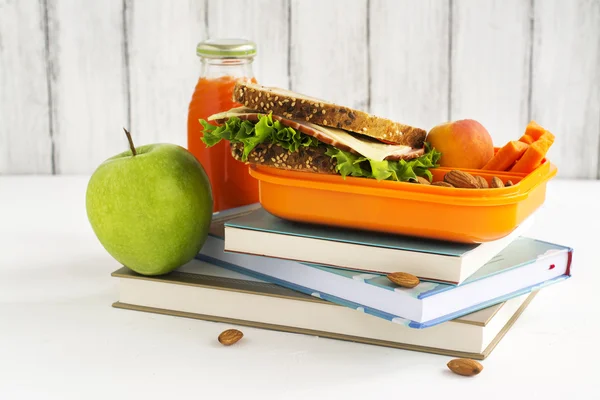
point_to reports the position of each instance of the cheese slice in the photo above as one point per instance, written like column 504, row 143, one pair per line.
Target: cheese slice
column 371, row 149
column 234, row 112
column 376, row 151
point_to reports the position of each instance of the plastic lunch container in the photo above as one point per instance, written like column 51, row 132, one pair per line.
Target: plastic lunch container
column 405, row 208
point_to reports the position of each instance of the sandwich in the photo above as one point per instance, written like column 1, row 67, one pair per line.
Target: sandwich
column 282, row 129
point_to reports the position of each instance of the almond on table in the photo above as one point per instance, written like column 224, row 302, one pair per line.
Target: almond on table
column 230, row 336
column 465, row 366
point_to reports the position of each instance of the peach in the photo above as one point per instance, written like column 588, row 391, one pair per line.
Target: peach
column 464, row 144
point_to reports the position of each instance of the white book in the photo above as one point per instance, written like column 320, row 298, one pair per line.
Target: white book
column 205, row 291
column 261, row 233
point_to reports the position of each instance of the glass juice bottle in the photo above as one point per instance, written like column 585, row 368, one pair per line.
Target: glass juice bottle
column 223, row 62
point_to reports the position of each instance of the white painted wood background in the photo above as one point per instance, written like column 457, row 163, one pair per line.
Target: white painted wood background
column 73, row 72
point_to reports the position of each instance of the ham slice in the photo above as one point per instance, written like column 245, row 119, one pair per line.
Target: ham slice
column 338, row 138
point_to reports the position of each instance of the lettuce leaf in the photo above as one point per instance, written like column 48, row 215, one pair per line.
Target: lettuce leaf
column 251, row 134
column 228, row 131
column 349, row 164
column 266, row 130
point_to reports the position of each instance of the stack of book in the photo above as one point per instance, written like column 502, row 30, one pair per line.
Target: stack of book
column 258, row 270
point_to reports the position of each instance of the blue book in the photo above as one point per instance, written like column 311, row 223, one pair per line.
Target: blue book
column 525, row 265
column 261, row 233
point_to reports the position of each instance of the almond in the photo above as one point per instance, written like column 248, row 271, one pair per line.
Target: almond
column 465, row 366
column 441, row 183
column 461, row 179
column 230, row 336
column 497, row 183
column 482, row 182
column 404, row 279
column 422, row 180
column 509, row 183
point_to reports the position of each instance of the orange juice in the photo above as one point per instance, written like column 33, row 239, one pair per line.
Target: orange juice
column 224, row 62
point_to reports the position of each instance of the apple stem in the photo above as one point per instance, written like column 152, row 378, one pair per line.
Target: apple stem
column 130, row 142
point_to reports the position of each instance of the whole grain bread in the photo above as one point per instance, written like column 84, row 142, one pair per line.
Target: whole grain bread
column 297, row 106
column 306, row 159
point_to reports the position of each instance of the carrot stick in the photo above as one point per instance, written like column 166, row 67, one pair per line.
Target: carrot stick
column 532, row 158
column 526, row 139
column 547, row 136
column 535, row 132
column 506, row 156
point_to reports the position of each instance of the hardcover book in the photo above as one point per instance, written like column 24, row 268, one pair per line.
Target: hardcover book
column 522, row 267
column 205, row 291
column 261, row 233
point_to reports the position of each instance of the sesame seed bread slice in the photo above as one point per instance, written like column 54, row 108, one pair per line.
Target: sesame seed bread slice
column 297, row 106
column 305, row 159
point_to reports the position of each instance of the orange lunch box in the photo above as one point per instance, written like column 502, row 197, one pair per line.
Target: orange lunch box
column 451, row 214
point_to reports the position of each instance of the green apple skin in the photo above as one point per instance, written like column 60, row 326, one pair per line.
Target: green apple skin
column 151, row 211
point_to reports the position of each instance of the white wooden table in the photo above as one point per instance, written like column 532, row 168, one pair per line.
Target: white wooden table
column 61, row 339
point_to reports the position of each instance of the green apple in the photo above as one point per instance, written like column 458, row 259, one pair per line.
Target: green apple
column 150, row 207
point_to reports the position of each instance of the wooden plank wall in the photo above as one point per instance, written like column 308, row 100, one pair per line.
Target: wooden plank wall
column 26, row 142
column 490, row 58
column 565, row 84
column 73, row 73
column 160, row 38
